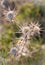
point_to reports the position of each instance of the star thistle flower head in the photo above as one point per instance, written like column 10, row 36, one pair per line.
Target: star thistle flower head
column 25, row 29
column 13, row 51
column 10, row 15
column 32, row 29
column 36, row 28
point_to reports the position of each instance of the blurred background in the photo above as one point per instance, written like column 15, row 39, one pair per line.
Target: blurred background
column 13, row 15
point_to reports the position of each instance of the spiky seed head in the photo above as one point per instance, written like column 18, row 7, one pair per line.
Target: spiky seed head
column 25, row 29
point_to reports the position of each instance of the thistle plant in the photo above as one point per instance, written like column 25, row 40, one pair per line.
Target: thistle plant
column 27, row 31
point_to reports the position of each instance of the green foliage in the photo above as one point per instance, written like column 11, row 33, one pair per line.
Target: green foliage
column 35, row 44
column 29, row 11
column 8, row 38
column 2, row 61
